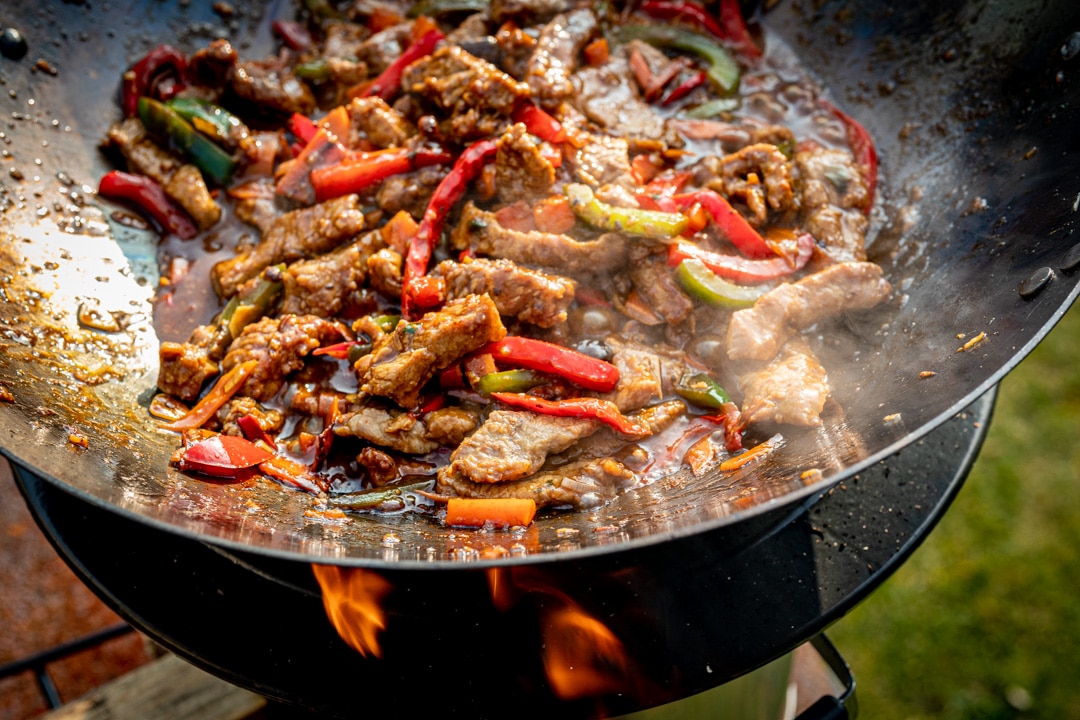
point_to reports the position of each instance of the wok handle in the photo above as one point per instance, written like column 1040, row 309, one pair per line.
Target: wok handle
column 829, row 707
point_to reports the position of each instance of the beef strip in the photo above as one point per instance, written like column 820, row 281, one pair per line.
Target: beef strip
column 513, row 444
column 529, row 295
column 405, row 432
column 555, row 57
column 270, row 420
column 608, row 95
column 409, row 192
column 271, row 86
column 771, row 186
column 601, row 160
column 279, row 345
column 583, row 484
column 295, row 235
column 841, row 232
column 403, row 361
column 183, row 368
column 647, row 373
column 324, row 284
column 525, row 12
column 521, row 172
column 188, row 188
column 211, row 66
column 833, row 195
column 477, row 95
column 657, row 286
column 790, row 390
column 378, row 123
column 479, row 231
column 385, row 272
column 384, row 47
column 756, row 333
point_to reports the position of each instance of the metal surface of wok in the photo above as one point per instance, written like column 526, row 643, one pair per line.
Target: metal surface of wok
column 974, row 108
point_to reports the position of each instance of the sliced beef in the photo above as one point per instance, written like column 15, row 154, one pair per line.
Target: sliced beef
column 409, row 192
column 377, row 123
column 188, row 188
column 601, row 160
column 271, row 86
column 295, row 235
column 406, row 432
column 521, row 172
column 758, row 332
column 324, row 284
column 582, row 484
column 211, row 66
column 525, row 12
column 608, row 95
column 476, row 95
column 647, row 373
column 279, row 345
column 183, row 368
column 556, row 56
column 381, row 49
column 842, row 233
column 529, row 295
column 513, row 444
column 385, row 272
column 255, row 203
column 829, row 177
column 270, row 420
column 403, row 361
column 790, row 390
column 770, row 184
column 479, row 231
column 657, row 286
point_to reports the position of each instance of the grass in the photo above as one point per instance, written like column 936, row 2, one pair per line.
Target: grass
column 983, row 621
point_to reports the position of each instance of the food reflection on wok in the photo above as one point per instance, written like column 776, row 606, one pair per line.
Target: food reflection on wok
column 477, row 260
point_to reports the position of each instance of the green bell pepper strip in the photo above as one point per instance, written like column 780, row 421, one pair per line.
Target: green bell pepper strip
column 168, row 126
column 741, row 269
column 244, row 309
column 701, row 390
column 712, row 108
column 723, row 70
column 314, row 70
column 703, row 284
column 632, row 221
column 515, row 381
column 375, row 497
column 210, row 119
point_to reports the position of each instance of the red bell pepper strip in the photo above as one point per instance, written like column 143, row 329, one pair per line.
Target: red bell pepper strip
column 360, row 171
column 731, row 17
column 740, row 232
column 150, row 197
column 743, row 270
column 589, row 408
column 539, row 123
column 578, row 368
column 658, row 193
column 303, row 127
column 690, row 12
column 387, row 84
column 862, row 147
column 140, row 79
column 449, row 190
column 225, row 456
column 292, row 33
column 253, row 431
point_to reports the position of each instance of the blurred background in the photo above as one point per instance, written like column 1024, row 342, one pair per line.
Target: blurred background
column 983, row 621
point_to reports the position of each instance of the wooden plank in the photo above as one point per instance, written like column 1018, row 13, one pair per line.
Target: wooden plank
column 166, row 689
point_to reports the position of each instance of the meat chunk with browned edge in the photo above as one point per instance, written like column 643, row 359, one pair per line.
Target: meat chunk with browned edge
column 555, row 57
column 790, row 390
column 403, row 361
column 183, row 368
column 477, row 95
column 608, row 95
column 581, row 484
column 406, row 432
column 378, row 123
column 481, row 232
column 324, row 284
column 279, row 346
column 525, row 12
column 521, row 171
column 758, row 332
column 293, row 236
column 271, row 86
column 833, row 196
column 529, row 295
column 657, row 286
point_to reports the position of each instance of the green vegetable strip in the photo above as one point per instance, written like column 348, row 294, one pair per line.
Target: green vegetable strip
column 723, row 69
column 632, row 221
column 168, row 126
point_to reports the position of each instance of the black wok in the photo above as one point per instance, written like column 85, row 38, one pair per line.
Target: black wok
column 974, row 106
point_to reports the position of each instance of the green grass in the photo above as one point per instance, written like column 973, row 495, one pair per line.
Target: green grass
column 983, row 621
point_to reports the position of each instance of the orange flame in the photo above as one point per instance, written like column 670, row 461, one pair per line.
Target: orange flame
column 353, row 601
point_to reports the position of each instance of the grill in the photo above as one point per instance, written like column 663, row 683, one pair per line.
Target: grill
column 258, row 621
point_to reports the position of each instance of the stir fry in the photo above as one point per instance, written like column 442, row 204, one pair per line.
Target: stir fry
column 479, row 260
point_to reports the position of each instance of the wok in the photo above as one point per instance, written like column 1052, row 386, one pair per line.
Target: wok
column 973, row 104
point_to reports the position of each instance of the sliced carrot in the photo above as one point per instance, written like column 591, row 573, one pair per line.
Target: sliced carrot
column 597, row 52
column 752, row 455
column 554, row 215
column 399, row 230
column 226, row 386
column 499, row 512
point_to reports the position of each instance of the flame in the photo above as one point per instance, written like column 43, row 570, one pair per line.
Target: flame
column 353, row 601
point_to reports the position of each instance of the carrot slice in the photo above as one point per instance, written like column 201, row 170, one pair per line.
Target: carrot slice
column 226, row 386
column 499, row 512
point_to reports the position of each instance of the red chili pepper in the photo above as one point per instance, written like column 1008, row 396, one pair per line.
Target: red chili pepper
column 862, row 146
column 684, row 88
column 581, row 369
column 303, row 127
column 253, row 431
column 591, row 408
column 222, row 456
column 740, row 232
column 658, row 193
column 731, row 17
column 691, row 12
column 740, row 269
column 360, row 171
column 539, row 123
column 387, row 84
column 140, row 79
column 292, row 33
column 339, row 351
column 150, row 197
column 450, row 189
